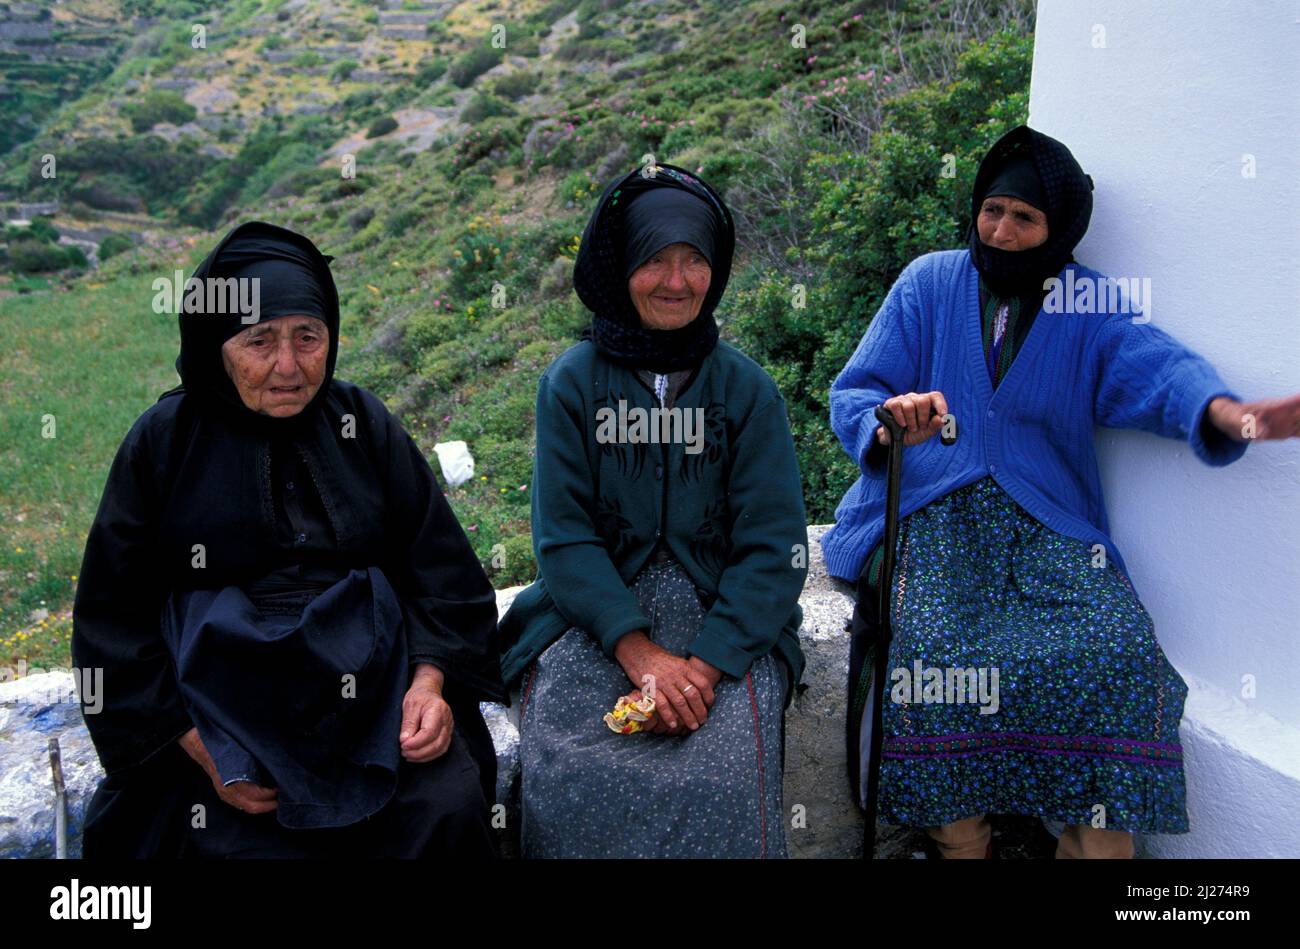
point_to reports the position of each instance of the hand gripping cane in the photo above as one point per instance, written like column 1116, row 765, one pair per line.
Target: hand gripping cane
column 884, row 631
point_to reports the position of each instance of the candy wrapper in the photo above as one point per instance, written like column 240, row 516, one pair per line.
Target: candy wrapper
column 629, row 716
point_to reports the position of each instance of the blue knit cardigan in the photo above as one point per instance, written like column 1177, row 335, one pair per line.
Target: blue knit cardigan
column 1034, row 433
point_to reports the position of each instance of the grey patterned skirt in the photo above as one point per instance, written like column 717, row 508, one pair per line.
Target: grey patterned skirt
column 588, row 792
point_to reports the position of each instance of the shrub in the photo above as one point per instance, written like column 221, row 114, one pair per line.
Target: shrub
column 492, row 136
column 512, row 562
column 484, row 106
column 476, row 263
column 381, row 126
column 159, row 105
column 109, row 192
column 430, row 72
column 42, row 230
column 31, row 256
column 343, row 69
column 114, row 244
column 399, row 223
column 515, row 85
column 473, row 63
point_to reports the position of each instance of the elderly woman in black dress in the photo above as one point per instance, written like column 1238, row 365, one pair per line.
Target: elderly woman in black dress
column 294, row 630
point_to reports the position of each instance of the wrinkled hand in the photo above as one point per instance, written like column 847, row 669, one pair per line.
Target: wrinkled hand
column 682, row 688
column 427, row 722
column 241, row 795
column 920, row 413
column 1274, row 418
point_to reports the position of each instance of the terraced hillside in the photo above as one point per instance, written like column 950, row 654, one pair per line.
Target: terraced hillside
column 448, row 154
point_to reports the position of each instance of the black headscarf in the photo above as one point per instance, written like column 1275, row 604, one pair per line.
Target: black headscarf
column 1027, row 164
column 667, row 216
column 1019, row 179
column 294, row 279
column 619, row 239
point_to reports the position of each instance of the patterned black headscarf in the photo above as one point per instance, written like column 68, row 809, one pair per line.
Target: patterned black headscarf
column 600, row 273
column 1067, row 196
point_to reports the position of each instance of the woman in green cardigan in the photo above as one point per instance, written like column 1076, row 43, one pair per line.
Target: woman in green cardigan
column 669, row 530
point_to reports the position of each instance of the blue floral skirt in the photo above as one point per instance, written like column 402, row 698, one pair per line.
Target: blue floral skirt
column 1025, row 678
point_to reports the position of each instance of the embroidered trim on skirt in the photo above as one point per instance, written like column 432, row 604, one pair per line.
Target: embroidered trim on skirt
column 588, row 792
column 1084, row 710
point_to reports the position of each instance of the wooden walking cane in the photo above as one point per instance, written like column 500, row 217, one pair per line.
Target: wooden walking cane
column 884, row 629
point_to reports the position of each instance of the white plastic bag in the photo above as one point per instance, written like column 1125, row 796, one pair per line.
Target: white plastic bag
column 456, row 461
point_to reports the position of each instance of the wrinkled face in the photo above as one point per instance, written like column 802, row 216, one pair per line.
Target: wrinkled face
column 1011, row 224
column 278, row 365
column 669, row 288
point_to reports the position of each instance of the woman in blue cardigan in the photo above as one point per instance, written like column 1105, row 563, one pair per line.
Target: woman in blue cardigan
column 1026, row 675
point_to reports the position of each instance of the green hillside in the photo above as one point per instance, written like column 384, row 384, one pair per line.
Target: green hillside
column 475, row 169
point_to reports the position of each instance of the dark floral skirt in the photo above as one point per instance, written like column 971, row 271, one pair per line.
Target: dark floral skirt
column 1025, row 678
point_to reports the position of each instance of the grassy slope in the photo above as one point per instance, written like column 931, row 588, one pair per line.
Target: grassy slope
column 419, row 240
column 93, row 358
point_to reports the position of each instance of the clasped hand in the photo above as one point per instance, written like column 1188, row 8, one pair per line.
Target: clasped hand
column 683, row 688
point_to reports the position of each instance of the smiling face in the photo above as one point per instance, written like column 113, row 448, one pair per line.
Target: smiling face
column 1011, row 224
column 278, row 366
column 669, row 288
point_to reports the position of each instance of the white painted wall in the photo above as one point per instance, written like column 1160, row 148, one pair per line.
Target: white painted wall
column 1162, row 116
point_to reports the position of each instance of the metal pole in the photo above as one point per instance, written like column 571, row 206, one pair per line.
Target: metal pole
column 60, row 803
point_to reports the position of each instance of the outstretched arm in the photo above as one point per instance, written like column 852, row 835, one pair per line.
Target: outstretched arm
column 1147, row 379
column 1261, row 420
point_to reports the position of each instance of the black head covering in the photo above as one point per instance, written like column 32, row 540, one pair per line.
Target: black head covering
column 667, row 216
column 294, row 279
column 1019, row 179
column 617, row 240
column 1057, row 186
